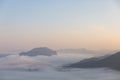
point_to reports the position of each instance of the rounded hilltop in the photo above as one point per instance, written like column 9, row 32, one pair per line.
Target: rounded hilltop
column 39, row 51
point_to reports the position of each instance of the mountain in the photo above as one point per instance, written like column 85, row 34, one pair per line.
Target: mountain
column 111, row 61
column 82, row 50
column 39, row 51
column 87, row 51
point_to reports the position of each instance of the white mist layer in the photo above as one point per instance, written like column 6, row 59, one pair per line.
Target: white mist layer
column 16, row 61
column 15, row 67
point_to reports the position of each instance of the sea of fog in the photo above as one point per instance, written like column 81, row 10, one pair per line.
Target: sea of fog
column 15, row 67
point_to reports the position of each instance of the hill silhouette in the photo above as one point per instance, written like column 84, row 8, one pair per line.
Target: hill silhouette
column 112, row 61
column 39, row 51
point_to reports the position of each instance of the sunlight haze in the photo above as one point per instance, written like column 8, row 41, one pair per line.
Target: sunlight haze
column 92, row 24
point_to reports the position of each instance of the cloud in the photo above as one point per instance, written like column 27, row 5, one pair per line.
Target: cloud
column 16, row 61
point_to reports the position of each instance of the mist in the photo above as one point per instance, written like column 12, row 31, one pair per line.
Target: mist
column 16, row 67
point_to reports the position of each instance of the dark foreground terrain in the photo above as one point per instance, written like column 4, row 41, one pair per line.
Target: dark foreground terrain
column 112, row 61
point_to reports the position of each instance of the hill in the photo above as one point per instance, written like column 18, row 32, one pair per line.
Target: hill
column 39, row 51
column 112, row 61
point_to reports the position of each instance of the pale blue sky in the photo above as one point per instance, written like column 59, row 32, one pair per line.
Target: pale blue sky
column 59, row 24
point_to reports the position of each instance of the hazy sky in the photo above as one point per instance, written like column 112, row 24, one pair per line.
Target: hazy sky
column 92, row 24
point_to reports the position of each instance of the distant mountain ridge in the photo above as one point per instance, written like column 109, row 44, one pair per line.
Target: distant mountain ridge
column 86, row 51
column 39, row 51
column 111, row 61
column 81, row 50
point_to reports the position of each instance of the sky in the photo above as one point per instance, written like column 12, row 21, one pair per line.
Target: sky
column 92, row 24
